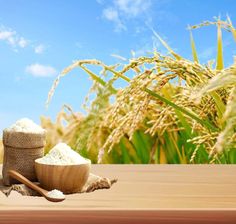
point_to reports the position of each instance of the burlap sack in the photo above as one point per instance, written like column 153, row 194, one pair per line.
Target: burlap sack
column 20, row 151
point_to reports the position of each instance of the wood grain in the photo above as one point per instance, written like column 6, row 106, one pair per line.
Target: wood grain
column 163, row 193
column 118, row 217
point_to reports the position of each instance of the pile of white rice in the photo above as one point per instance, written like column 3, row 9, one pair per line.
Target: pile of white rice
column 62, row 154
column 55, row 194
column 25, row 125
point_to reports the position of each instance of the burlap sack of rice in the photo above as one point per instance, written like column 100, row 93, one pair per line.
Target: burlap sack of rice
column 20, row 151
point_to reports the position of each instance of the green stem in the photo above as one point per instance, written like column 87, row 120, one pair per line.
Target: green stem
column 97, row 79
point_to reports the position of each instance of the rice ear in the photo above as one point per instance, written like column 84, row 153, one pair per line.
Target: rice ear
column 194, row 51
column 219, row 59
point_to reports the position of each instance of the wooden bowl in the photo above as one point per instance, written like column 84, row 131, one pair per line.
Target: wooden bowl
column 66, row 178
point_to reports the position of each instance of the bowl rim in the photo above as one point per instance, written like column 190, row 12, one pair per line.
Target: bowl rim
column 88, row 162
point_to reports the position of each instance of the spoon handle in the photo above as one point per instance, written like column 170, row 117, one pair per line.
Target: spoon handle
column 25, row 181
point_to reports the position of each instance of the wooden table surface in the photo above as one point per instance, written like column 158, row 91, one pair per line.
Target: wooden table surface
column 143, row 193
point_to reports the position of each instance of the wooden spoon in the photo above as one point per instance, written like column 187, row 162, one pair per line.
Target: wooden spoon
column 14, row 174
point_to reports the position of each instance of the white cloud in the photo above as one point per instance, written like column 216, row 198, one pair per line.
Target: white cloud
column 5, row 35
column 39, row 49
column 17, row 41
column 122, row 10
column 12, row 38
column 8, row 36
column 112, row 14
column 22, row 42
column 12, row 41
column 38, row 70
column 100, row 2
column 133, row 7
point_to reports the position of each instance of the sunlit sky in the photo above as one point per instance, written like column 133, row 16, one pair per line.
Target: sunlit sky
column 40, row 38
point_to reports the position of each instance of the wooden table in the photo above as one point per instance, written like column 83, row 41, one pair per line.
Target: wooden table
column 143, row 194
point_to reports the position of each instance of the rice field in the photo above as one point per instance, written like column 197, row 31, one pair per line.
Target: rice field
column 172, row 110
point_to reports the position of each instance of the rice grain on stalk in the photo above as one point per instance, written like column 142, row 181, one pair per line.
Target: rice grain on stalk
column 171, row 109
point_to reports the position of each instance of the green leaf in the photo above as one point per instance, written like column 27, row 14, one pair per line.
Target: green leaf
column 142, row 146
column 184, row 122
column 118, row 74
column 97, row 78
column 125, row 154
column 220, row 106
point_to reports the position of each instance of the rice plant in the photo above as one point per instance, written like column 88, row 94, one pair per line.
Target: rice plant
column 172, row 110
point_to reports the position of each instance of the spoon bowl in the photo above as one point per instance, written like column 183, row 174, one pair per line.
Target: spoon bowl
column 14, row 174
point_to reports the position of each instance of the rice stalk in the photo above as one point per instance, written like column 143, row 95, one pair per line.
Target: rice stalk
column 155, row 118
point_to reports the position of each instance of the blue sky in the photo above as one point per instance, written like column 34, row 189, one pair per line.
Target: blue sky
column 39, row 38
